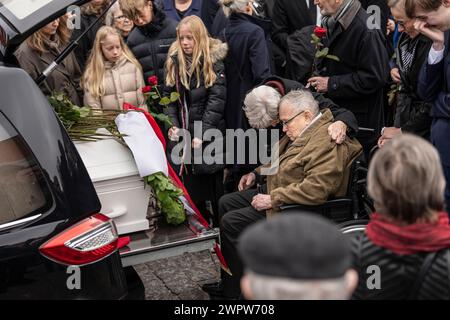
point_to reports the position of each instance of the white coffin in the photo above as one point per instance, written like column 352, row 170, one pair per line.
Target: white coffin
column 121, row 190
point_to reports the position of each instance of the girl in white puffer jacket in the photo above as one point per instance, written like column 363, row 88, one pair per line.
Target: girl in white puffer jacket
column 113, row 76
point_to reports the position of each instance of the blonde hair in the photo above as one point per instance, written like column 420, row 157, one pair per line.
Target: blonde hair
column 201, row 56
column 38, row 41
column 406, row 181
column 230, row 6
column 95, row 69
column 130, row 7
column 89, row 9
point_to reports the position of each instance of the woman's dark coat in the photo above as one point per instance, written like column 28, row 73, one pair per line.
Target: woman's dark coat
column 398, row 273
column 248, row 63
column 150, row 43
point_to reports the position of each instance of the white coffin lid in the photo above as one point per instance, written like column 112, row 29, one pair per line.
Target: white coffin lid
column 107, row 159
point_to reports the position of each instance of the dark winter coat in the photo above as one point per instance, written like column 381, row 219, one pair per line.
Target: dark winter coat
column 300, row 55
column 341, row 114
column 86, row 43
column 151, row 43
column 289, row 16
column 398, row 273
column 247, row 63
column 204, row 104
column 412, row 114
column 434, row 87
column 205, row 9
column 65, row 78
column 356, row 81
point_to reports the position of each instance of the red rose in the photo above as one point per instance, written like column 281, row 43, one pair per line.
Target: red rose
column 146, row 89
column 153, row 80
column 320, row 32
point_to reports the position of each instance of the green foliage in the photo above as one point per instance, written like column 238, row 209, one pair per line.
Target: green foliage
column 165, row 101
column 315, row 39
column 322, row 53
column 174, row 96
column 80, row 122
column 332, row 57
column 154, row 99
column 167, row 196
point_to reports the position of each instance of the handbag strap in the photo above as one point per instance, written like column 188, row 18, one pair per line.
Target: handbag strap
column 422, row 273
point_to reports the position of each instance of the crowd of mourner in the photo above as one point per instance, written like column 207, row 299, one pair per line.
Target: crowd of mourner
column 339, row 80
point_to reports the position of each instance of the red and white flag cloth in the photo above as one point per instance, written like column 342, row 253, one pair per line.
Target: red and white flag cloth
column 143, row 131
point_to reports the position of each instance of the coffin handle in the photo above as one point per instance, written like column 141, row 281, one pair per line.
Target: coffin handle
column 115, row 212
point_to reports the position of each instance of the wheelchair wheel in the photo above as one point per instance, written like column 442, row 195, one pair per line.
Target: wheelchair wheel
column 353, row 227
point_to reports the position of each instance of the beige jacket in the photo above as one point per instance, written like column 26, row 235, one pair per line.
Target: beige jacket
column 123, row 82
column 313, row 168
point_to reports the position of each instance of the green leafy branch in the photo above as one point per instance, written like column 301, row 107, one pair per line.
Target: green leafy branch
column 167, row 196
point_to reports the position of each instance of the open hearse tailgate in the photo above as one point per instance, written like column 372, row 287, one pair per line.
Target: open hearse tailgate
column 125, row 199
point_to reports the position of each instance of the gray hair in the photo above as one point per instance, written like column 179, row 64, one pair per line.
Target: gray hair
column 275, row 288
column 406, row 180
column 229, row 6
column 109, row 18
column 301, row 100
column 261, row 106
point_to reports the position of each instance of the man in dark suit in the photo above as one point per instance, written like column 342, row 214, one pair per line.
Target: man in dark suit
column 433, row 20
column 289, row 16
column 356, row 81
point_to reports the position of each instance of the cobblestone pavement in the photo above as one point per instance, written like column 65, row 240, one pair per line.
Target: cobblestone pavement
column 180, row 277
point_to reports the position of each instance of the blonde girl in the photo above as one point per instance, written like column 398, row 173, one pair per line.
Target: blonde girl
column 195, row 69
column 113, row 75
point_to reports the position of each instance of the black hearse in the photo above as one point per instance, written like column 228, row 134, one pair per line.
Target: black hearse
column 54, row 241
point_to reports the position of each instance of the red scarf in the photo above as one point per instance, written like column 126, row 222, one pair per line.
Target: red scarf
column 409, row 239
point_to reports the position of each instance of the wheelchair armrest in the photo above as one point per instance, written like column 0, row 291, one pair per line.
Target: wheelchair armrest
column 337, row 210
column 326, row 205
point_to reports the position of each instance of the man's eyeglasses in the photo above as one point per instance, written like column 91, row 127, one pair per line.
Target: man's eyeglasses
column 285, row 123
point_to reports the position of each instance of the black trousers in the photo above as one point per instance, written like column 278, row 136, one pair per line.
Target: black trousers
column 235, row 214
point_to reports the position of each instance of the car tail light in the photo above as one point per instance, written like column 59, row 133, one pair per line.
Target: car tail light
column 88, row 241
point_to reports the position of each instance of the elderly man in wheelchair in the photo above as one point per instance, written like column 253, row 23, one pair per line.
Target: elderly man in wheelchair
column 311, row 169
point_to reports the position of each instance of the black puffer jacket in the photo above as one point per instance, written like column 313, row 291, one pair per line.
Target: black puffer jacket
column 204, row 104
column 151, row 43
column 398, row 273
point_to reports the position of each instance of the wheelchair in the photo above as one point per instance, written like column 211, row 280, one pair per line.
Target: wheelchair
column 352, row 212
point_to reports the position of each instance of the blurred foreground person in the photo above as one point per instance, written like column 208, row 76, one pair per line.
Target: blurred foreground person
column 408, row 238
column 288, row 257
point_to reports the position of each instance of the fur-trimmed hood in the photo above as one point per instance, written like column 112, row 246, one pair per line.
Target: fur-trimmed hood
column 218, row 49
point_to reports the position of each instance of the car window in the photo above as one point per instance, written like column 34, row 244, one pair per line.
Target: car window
column 23, row 191
column 23, row 8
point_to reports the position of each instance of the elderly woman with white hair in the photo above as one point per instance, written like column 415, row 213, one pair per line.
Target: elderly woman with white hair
column 116, row 19
column 310, row 169
column 408, row 238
